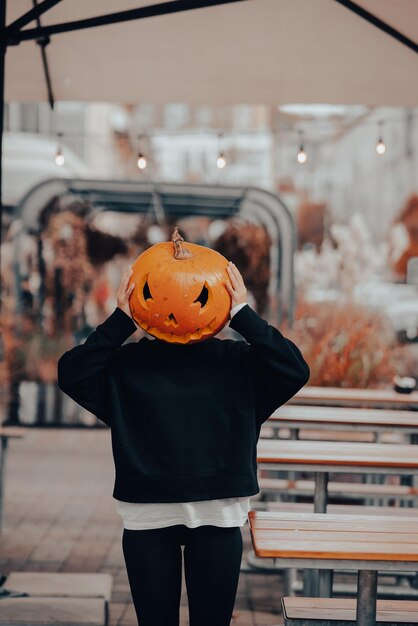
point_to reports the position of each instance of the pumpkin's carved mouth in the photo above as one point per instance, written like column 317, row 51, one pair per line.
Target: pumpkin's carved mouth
column 171, row 321
column 196, row 334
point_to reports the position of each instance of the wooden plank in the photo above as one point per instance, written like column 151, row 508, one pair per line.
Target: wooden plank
column 336, row 537
column 359, row 522
column 406, row 531
column 311, row 393
column 52, row 611
column 328, row 416
column 345, row 608
column 13, row 432
column 62, row 584
column 272, row 544
column 337, row 454
column 375, row 450
column 341, row 509
column 340, row 488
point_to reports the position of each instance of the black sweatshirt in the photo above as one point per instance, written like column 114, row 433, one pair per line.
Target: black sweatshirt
column 185, row 418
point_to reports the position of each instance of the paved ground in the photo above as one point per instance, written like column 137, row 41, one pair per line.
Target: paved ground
column 60, row 516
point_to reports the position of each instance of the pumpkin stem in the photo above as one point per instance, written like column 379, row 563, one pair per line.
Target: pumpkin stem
column 180, row 251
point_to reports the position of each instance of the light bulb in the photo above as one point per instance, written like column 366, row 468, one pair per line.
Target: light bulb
column 59, row 158
column 380, row 147
column 142, row 161
column 221, row 161
column 302, row 156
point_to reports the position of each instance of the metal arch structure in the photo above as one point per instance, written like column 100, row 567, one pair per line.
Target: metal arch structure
column 14, row 33
column 183, row 200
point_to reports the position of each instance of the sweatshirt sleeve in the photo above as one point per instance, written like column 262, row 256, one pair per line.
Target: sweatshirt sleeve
column 82, row 369
column 275, row 364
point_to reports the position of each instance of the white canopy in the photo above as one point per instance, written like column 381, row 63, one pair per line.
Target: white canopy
column 251, row 52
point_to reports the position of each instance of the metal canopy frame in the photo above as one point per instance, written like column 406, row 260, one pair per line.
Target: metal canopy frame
column 183, row 200
column 14, row 34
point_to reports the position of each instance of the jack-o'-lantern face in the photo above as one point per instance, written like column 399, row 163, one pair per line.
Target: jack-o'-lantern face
column 180, row 294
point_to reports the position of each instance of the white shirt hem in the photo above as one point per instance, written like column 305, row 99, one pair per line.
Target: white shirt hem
column 188, row 523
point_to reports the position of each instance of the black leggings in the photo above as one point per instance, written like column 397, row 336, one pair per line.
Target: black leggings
column 212, row 560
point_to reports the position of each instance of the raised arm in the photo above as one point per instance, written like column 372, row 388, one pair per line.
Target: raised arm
column 274, row 364
column 82, row 369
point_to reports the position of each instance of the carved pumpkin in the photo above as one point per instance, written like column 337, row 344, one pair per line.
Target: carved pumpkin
column 180, row 294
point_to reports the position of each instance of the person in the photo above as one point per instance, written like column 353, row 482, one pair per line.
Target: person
column 185, row 420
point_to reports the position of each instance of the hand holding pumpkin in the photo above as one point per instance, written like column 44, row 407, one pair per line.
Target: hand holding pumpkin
column 235, row 285
column 123, row 293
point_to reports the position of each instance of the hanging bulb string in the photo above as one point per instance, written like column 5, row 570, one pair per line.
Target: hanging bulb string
column 221, row 160
column 280, row 129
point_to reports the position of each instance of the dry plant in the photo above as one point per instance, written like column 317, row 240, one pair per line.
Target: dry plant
column 346, row 345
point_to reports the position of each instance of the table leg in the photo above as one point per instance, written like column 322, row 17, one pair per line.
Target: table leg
column 325, row 583
column 291, row 574
column 319, row 582
column 321, row 492
column 366, row 598
column 310, row 583
column 290, row 577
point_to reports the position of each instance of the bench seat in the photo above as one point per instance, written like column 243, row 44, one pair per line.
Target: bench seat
column 342, row 612
column 43, row 611
column 343, row 509
column 62, row 584
column 358, row 490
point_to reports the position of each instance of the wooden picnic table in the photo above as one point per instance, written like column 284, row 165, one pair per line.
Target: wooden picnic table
column 322, row 457
column 6, row 433
column 328, row 542
column 296, row 417
column 334, row 396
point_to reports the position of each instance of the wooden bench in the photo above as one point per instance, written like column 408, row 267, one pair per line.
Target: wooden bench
column 348, row 396
column 43, row 611
column 342, row 612
column 344, row 419
column 329, row 541
column 56, row 598
column 339, row 489
column 252, row 565
column 344, row 509
column 62, row 584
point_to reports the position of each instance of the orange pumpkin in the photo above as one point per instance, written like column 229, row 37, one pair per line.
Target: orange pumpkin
column 180, row 294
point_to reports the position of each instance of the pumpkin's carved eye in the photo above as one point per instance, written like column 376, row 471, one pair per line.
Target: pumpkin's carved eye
column 203, row 296
column 145, row 290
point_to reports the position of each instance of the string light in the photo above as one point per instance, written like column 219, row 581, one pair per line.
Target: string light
column 221, row 160
column 380, row 146
column 141, row 158
column 283, row 129
column 142, row 161
column 59, row 155
column 302, row 156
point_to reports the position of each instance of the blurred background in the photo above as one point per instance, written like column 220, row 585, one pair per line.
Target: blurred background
column 316, row 203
